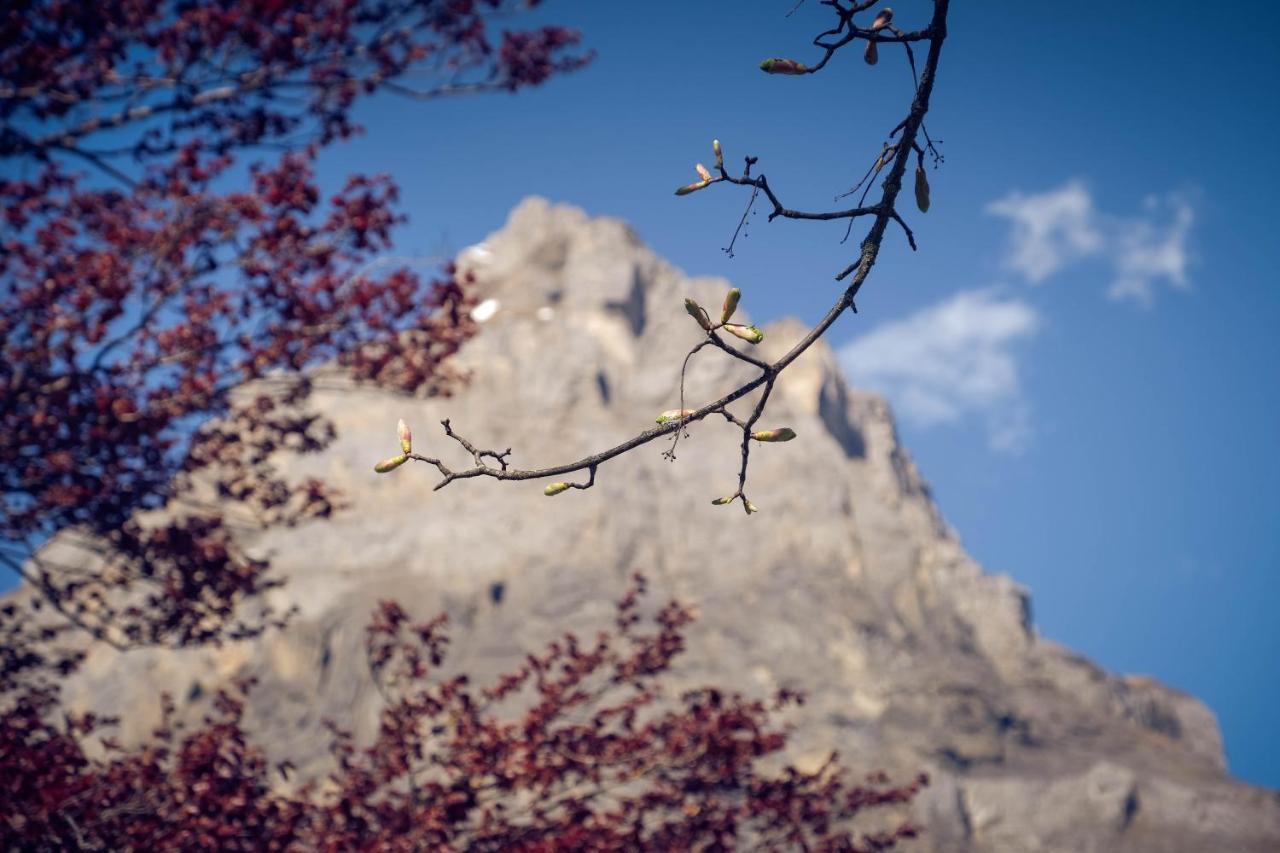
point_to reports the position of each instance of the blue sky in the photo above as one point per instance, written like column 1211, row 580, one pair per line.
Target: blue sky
column 1084, row 350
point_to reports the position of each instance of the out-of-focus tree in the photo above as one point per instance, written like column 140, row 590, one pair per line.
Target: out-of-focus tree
column 577, row 749
column 165, row 243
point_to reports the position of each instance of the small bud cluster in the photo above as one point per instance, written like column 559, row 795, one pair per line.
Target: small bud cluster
column 391, row 463
column 705, row 178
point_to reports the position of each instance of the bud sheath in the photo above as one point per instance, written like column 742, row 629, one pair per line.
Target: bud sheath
column 390, row 464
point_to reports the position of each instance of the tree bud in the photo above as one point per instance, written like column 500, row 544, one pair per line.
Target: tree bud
column 715, row 147
column 674, row 415
column 406, row 437
column 390, row 464
column 749, row 506
column 730, row 304
column 782, row 66
column 783, row 434
column 922, row 190
column 697, row 312
column 556, row 488
column 872, row 53
column 690, row 188
column 722, row 501
column 702, row 170
column 882, row 20
column 750, row 334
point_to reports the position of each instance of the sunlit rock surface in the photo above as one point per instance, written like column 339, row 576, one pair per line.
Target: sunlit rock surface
column 848, row 585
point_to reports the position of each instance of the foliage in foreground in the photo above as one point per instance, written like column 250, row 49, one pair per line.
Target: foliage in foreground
column 575, row 749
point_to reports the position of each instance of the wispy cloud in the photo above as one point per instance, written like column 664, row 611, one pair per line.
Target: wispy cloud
column 951, row 361
column 1054, row 229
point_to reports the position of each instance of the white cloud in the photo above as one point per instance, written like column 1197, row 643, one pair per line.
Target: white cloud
column 1050, row 229
column 1054, row 229
column 950, row 361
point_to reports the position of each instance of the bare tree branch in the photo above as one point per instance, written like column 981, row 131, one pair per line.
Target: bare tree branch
column 894, row 156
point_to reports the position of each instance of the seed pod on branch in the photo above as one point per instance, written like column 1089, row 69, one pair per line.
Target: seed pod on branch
column 750, row 334
column 698, row 313
column 390, row 464
column 556, row 488
column 730, row 305
column 783, row 66
column 922, row 190
column 783, row 434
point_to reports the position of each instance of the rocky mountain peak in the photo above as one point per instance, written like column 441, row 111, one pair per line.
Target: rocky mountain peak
column 848, row 585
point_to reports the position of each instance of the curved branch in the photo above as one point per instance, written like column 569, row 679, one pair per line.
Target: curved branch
column 883, row 211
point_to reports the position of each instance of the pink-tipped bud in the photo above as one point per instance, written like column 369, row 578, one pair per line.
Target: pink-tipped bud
column 715, row 148
column 730, row 305
column 872, row 53
column 750, row 334
column 698, row 313
column 406, row 437
column 783, row 66
column 882, row 20
column 702, row 171
column 674, row 415
column 390, row 464
column 556, row 488
column 783, row 434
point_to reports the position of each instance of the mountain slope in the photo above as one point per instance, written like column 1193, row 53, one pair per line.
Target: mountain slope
column 847, row 586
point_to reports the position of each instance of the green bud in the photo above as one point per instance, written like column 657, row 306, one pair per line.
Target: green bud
column 390, row 464
column 750, row 334
column 556, row 488
column 715, row 148
column 723, row 501
column 689, row 188
column 730, row 304
column 749, row 506
column 784, row 434
column 698, row 313
column 674, row 415
column 783, row 66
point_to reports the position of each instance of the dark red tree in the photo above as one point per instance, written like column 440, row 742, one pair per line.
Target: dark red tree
column 148, row 269
column 577, row 749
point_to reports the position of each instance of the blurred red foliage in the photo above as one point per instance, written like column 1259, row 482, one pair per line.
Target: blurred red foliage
column 577, row 749
column 136, row 297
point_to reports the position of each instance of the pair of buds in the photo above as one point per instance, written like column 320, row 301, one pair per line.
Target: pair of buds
column 728, row 499
column 405, row 435
column 703, row 174
column 750, row 334
column 883, row 18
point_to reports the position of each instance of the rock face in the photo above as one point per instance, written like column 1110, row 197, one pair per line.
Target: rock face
column 847, row 586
